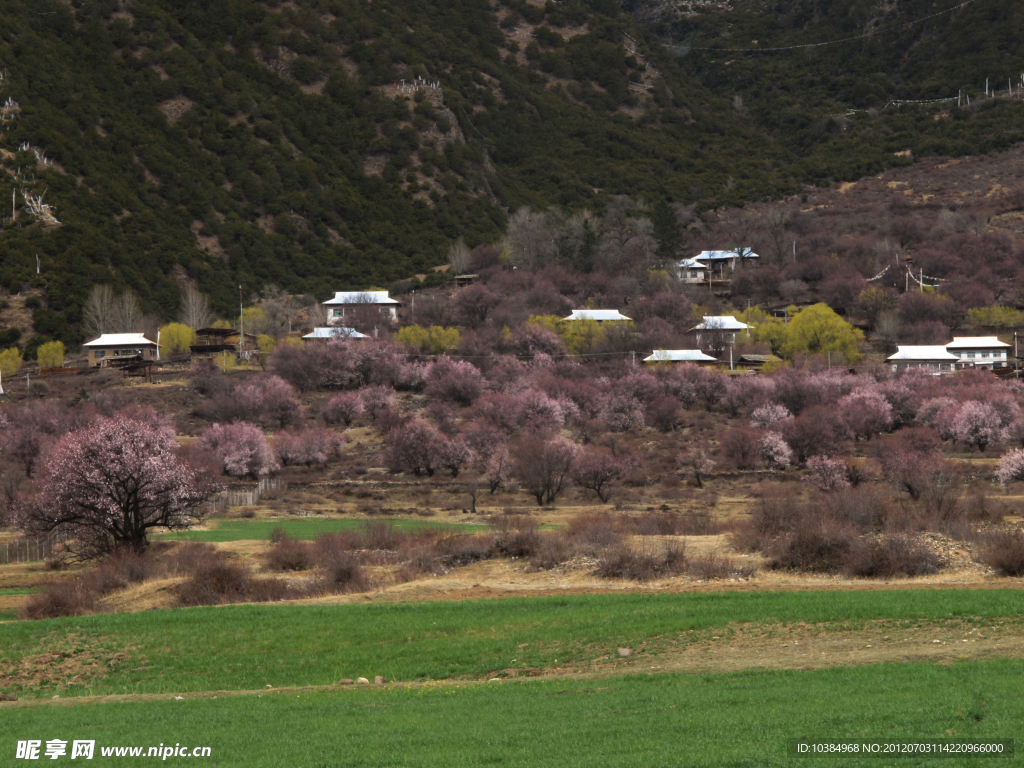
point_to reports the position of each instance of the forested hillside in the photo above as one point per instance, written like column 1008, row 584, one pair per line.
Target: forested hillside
column 319, row 145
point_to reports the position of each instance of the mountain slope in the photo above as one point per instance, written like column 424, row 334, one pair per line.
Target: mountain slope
column 239, row 142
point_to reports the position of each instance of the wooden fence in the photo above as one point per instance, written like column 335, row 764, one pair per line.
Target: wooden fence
column 28, row 550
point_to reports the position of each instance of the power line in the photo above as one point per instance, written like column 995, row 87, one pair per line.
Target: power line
column 841, row 40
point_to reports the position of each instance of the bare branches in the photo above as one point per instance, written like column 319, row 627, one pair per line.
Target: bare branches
column 99, row 310
column 195, row 308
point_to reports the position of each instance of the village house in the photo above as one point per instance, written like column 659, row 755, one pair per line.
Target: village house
column 210, row 342
column 932, row 357
column 694, row 356
column 350, row 300
column 718, row 260
column 716, row 330
column 113, row 348
column 980, row 351
column 598, row 315
column 323, row 335
column 692, row 271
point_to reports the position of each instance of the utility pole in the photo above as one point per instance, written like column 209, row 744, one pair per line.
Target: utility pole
column 241, row 323
column 1016, row 360
column 920, row 281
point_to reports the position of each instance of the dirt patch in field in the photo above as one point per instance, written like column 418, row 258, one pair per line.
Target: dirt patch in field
column 61, row 660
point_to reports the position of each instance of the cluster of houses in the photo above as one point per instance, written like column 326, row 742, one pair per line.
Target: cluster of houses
column 713, row 333
column 962, row 352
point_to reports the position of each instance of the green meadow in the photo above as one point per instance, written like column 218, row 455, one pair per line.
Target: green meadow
column 740, row 719
column 225, row 529
column 246, row 647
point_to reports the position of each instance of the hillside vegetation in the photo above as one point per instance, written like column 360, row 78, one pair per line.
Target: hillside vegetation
column 247, row 143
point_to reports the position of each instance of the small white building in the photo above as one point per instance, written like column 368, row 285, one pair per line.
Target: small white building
column 350, row 300
column 335, row 332
column 721, row 259
column 931, row 357
column 598, row 315
column 692, row 271
column 116, row 347
column 680, row 356
column 718, row 329
column 980, row 351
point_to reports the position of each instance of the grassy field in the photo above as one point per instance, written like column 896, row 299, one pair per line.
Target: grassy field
column 12, row 591
column 222, row 529
column 678, row 720
column 250, row 646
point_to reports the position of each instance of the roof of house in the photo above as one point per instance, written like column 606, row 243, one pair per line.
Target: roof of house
column 335, row 333
column 679, row 356
column 121, row 340
column 691, row 264
column 975, row 342
column 361, row 297
column 725, row 255
column 596, row 314
column 758, row 358
column 931, row 353
column 721, row 323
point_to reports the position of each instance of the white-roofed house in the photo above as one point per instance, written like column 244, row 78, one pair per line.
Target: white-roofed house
column 980, row 351
column 728, row 258
column 351, row 300
column 694, row 356
column 323, row 335
column 933, row 357
column 716, row 331
column 692, row 271
column 598, row 315
column 119, row 347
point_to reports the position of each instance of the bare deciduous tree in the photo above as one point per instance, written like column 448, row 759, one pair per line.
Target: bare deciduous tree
column 99, row 310
column 459, row 257
column 195, row 308
column 127, row 313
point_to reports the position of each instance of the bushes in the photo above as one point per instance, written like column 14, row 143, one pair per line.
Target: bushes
column 306, row 447
column 241, row 448
column 1003, row 551
column 623, row 562
column 897, row 555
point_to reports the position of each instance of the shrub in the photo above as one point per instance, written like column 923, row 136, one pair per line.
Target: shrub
column 341, row 572
column 241, row 448
column 213, row 582
column 10, row 362
column 68, row 597
column 1003, row 551
column 818, row 431
column 207, row 379
column 769, row 415
column 312, row 445
column 740, row 446
column 413, row 447
column 821, row 545
column 542, row 466
column 664, row 414
column 712, row 565
column 288, row 554
column 516, row 536
column 827, row 474
column 377, row 399
column 51, row 354
column 596, row 469
column 457, row 381
column 622, row 562
column 775, row 451
column 176, row 337
column 344, row 408
column 977, row 424
column 1011, row 466
column 897, row 555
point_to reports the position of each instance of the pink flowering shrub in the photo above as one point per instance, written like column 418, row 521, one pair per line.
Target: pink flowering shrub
column 306, row 447
column 775, row 451
column 454, row 455
column 938, row 413
column 866, row 412
column 377, row 399
column 768, row 415
column 344, row 408
column 31, row 429
column 827, row 474
column 540, row 413
column 622, row 411
column 241, row 448
column 413, row 447
column 977, row 424
column 596, row 469
column 457, row 381
column 1011, row 466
